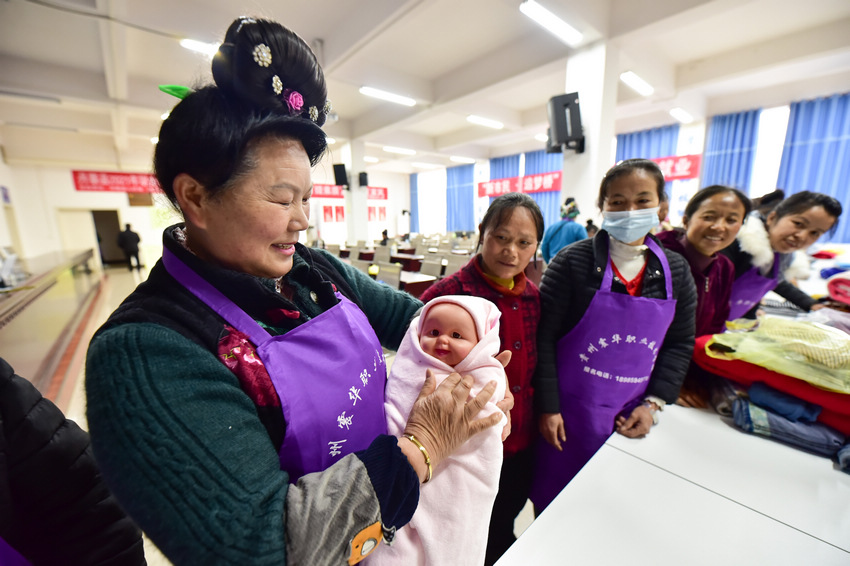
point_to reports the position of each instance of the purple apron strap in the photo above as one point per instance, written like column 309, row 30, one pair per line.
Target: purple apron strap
column 214, row 298
column 11, row 557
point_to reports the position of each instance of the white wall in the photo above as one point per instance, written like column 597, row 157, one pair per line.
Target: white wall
column 5, row 181
column 44, row 199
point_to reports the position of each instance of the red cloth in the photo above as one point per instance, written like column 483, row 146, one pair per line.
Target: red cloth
column 836, row 406
column 839, row 287
column 635, row 286
column 824, row 255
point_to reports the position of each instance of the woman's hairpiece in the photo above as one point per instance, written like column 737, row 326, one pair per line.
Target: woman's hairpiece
column 292, row 99
column 262, row 55
column 180, row 92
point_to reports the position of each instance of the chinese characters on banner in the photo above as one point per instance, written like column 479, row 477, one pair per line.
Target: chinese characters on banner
column 377, row 193
column 382, row 213
column 528, row 184
column 327, row 191
column 339, row 211
column 328, row 213
column 372, row 214
column 115, row 182
column 679, row 167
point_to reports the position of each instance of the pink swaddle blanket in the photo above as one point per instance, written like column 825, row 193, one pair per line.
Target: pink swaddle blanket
column 452, row 520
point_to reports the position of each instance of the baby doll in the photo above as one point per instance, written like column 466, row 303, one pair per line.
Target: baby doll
column 452, row 334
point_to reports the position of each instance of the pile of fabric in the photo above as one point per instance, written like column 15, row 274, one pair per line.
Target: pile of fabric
column 789, row 381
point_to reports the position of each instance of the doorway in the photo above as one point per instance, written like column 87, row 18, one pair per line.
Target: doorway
column 108, row 227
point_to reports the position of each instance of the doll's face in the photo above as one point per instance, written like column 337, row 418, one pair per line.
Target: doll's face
column 448, row 333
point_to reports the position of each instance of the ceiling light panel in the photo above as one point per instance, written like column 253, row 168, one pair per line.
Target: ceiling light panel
column 388, row 96
column 552, row 23
column 399, row 150
column 681, row 115
column 636, row 83
column 486, row 122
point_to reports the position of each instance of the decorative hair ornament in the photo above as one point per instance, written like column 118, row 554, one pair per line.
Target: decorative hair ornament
column 277, row 85
column 327, row 107
column 293, row 100
column 262, row 55
column 178, row 91
column 314, row 113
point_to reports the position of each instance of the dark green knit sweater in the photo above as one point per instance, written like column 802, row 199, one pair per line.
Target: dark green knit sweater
column 183, row 448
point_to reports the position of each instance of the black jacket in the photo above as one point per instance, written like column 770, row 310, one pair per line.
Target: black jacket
column 568, row 286
column 54, row 506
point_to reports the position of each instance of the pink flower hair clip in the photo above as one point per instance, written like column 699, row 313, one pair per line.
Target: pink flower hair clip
column 294, row 101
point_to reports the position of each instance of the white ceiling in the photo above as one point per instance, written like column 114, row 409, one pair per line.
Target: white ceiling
column 78, row 78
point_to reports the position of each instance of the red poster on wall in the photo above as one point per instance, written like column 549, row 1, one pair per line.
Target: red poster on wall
column 372, row 214
column 340, row 213
column 377, row 193
column 328, row 213
column 382, row 213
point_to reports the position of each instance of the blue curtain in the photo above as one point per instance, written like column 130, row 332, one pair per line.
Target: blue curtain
column 460, row 198
column 549, row 201
column 414, row 203
column 648, row 144
column 730, row 148
column 816, row 155
column 504, row 167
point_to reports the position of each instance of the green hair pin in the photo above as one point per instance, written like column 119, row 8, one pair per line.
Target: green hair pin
column 180, row 92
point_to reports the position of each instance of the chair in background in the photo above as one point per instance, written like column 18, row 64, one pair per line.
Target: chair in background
column 382, row 254
column 432, row 266
column 454, row 262
column 389, row 273
column 334, row 249
column 361, row 265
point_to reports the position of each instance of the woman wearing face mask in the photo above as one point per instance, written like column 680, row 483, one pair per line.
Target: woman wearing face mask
column 763, row 252
column 616, row 331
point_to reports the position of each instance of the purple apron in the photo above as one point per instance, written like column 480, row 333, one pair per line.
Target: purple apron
column 604, row 364
column 749, row 288
column 11, row 557
column 329, row 373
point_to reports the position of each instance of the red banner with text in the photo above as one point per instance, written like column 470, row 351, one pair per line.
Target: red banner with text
column 327, row 191
column 115, row 182
column 528, row 184
column 679, row 167
column 377, row 193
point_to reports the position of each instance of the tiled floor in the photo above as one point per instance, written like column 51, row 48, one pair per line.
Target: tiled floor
column 119, row 283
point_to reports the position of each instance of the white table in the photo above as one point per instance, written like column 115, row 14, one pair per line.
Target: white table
column 695, row 491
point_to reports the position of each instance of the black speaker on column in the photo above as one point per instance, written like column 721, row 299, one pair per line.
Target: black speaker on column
column 340, row 176
column 364, row 179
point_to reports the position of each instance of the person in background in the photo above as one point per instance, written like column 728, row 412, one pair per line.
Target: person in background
column 712, row 219
column 454, row 333
column 235, row 398
column 385, row 238
column 616, row 331
column 664, row 223
column 763, row 252
column 591, row 228
column 508, row 237
column 55, row 508
column 128, row 241
column 563, row 233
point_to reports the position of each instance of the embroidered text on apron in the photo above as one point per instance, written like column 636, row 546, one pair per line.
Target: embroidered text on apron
column 329, row 373
column 750, row 287
column 603, row 364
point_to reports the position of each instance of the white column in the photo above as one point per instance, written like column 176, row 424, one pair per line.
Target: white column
column 592, row 72
column 356, row 218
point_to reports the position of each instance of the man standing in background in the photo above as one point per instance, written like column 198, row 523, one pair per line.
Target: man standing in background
column 128, row 241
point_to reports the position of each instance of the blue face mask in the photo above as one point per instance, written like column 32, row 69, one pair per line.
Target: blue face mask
column 630, row 225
